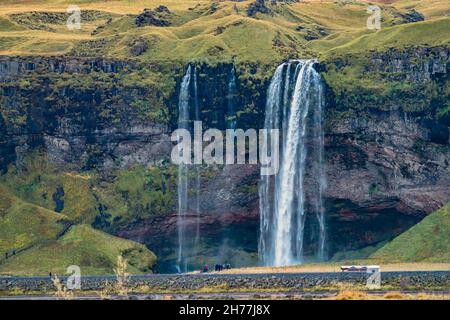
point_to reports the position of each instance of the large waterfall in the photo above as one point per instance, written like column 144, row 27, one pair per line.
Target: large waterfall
column 183, row 179
column 197, row 166
column 294, row 105
column 187, row 243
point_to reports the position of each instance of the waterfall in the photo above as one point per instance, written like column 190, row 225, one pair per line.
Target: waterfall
column 197, row 167
column 187, row 243
column 294, row 104
column 231, row 100
column 183, row 179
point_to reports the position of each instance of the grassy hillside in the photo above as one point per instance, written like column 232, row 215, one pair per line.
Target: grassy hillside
column 40, row 184
column 23, row 224
column 428, row 241
column 86, row 198
column 427, row 33
column 46, row 241
column 211, row 30
column 95, row 252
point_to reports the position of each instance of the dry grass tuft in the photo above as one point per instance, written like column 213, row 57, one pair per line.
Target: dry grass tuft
column 122, row 276
column 394, row 296
column 61, row 289
column 352, row 295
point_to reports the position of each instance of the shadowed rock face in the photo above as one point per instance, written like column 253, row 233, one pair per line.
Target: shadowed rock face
column 412, row 16
column 259, row 6
column 156, row 17
column 387, row 155
column 7, row 154
column 413, row 64
column 385, row 169
column 379, row 181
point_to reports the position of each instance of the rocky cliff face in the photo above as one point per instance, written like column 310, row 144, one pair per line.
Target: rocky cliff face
column 413, row 64
column 12, row 67
column 386, row 169
column 84, row 123
column 384, row 174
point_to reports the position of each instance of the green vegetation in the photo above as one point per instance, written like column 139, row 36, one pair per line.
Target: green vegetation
column 43, row 241
column 355, row 255
column 93, row 251
column 130, row 193
column 429, row 33
column 359, row 84
column 8, row 25
column 36, row 232
column 427, row 241
column 136, row 193
column 23, row 225
column 145, row 92
column 40, row 181
column 212, row 32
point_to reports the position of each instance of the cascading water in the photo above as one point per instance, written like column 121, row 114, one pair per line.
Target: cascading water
column 186, row 247
column 183, row 182
column 294, row 105
column 231, row 100
column 197, row 166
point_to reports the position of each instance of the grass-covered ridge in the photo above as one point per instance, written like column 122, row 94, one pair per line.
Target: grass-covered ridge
column 48, row 241
column 63, row 192
column 212, row 30
column 95, row 252
column 426, row 33
column 39, row 241
column 428, row 241
column 23, row 225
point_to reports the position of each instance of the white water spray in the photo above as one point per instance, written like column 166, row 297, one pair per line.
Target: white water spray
column 294, row 104
column 183, row 182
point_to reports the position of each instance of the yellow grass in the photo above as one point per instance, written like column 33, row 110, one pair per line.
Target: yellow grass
column 394, row 295
column 193, row 32
column 118, row 7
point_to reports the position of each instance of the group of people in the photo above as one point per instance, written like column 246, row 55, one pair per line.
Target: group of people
column 218, row 267
column 8, row 254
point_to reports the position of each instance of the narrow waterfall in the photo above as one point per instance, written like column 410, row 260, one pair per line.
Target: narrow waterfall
column 294, row 105
column 183, row 171
column 197, row 167
column 188, row 175
column 231, row 100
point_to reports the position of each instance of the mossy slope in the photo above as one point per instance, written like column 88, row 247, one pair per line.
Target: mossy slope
column 428, row 241
column 45, row 241
column 23, row 224
column 95, row 252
